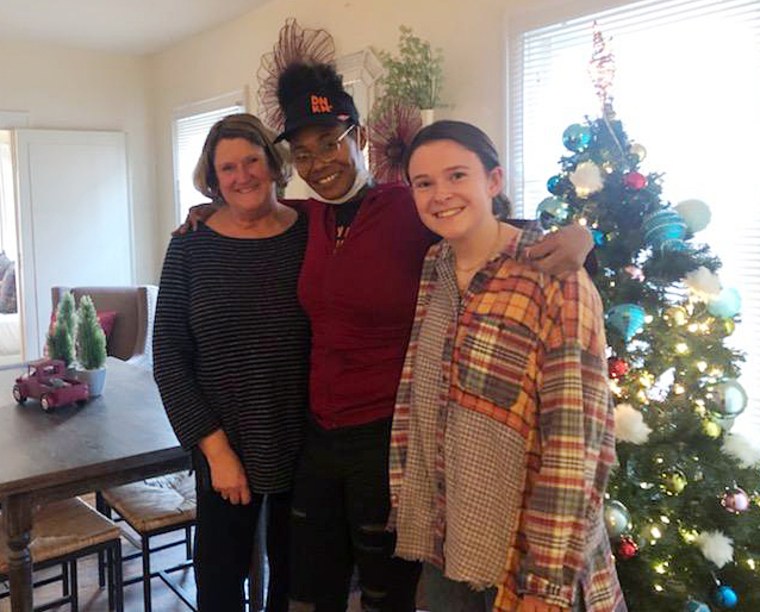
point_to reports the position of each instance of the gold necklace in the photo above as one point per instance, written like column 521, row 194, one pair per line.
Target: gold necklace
column 489, row 253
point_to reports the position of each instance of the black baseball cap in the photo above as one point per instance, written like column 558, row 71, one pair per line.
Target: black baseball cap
column 318, row 108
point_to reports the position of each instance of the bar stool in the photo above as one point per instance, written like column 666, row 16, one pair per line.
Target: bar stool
column 151, row 508
column 62, row 533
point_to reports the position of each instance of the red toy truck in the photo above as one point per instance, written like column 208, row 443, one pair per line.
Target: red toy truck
column 46, row 381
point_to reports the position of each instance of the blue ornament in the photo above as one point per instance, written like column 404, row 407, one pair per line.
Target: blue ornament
column 725, row 597
column 600, row 238
column 731, row 398
column 728, row 304
column 696, row 606
column 554, row 184
column 664, row 230
column 576, row 137
column 628, row 319
column 553, row 211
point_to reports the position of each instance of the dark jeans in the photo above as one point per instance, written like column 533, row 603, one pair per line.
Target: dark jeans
column 341, row 502
column 224, row 539
column 445, row 595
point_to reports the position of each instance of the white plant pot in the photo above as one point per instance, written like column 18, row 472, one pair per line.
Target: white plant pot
column 95, row 379
column 428, row 116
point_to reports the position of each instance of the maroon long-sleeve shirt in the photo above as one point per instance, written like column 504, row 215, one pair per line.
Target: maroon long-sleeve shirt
column 360, row 299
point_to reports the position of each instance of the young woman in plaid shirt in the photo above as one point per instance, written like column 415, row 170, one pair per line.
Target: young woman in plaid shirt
column 502, row 436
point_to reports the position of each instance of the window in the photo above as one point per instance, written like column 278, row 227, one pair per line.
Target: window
column 191, row 126
column 686, row 89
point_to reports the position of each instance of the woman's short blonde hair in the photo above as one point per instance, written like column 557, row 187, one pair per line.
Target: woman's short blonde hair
column 241, row 125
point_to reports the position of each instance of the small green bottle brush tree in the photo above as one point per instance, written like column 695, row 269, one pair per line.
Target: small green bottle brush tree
column 76, row 334
column 91, row 341
column 60, row 338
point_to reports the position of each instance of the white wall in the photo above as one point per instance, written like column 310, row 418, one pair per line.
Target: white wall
column 72, row 89
column 75, row 89
column 471, row 34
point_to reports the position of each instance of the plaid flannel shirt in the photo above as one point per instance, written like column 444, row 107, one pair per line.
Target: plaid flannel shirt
column 498, row 475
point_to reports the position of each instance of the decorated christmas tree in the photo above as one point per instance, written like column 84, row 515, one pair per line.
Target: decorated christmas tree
column 683, row 513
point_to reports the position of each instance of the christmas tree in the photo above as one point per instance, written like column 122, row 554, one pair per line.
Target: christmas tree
column 683, row 513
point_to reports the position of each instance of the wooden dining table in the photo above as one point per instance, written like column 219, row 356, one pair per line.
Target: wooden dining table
column 121, row 436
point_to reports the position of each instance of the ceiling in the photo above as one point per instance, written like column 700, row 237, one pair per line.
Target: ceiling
column 125, row 26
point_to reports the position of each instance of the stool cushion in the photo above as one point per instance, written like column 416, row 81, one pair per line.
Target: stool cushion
column 155, row 503
column 62, row 528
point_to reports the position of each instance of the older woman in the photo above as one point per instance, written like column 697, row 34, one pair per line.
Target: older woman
column 231, row 357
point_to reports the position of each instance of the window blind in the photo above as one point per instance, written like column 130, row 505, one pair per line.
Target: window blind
column 190, row 133
column 686, row 88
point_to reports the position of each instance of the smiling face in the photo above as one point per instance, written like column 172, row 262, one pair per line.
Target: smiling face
column 327, row 164
column 245, row 181
column 452, row 189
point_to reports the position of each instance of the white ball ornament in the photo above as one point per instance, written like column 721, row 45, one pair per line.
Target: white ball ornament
column 695, row 213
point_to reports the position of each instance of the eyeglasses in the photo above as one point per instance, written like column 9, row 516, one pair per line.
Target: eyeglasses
column 326, row 151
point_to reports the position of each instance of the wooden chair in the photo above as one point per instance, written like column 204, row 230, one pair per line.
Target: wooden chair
column 62, row 533
column 151, row 508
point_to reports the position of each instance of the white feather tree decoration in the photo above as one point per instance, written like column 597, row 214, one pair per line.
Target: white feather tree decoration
column 587, row 179
column 630, row 425
column 704, row 284
column 716, row 547
column 742, row 449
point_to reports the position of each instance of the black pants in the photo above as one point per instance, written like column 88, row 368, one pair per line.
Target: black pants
column 224, row 539
column 340, row 509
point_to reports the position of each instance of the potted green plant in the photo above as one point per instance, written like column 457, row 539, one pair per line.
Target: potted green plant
column 90, row 347
column 60, row 338
column 414, row 76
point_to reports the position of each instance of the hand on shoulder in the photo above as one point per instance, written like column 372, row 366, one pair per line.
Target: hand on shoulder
column 563, row 252
column 196, row 214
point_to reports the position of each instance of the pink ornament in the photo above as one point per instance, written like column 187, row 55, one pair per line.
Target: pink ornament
column 635, row 180
column 634, row 272
column 735, row 500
